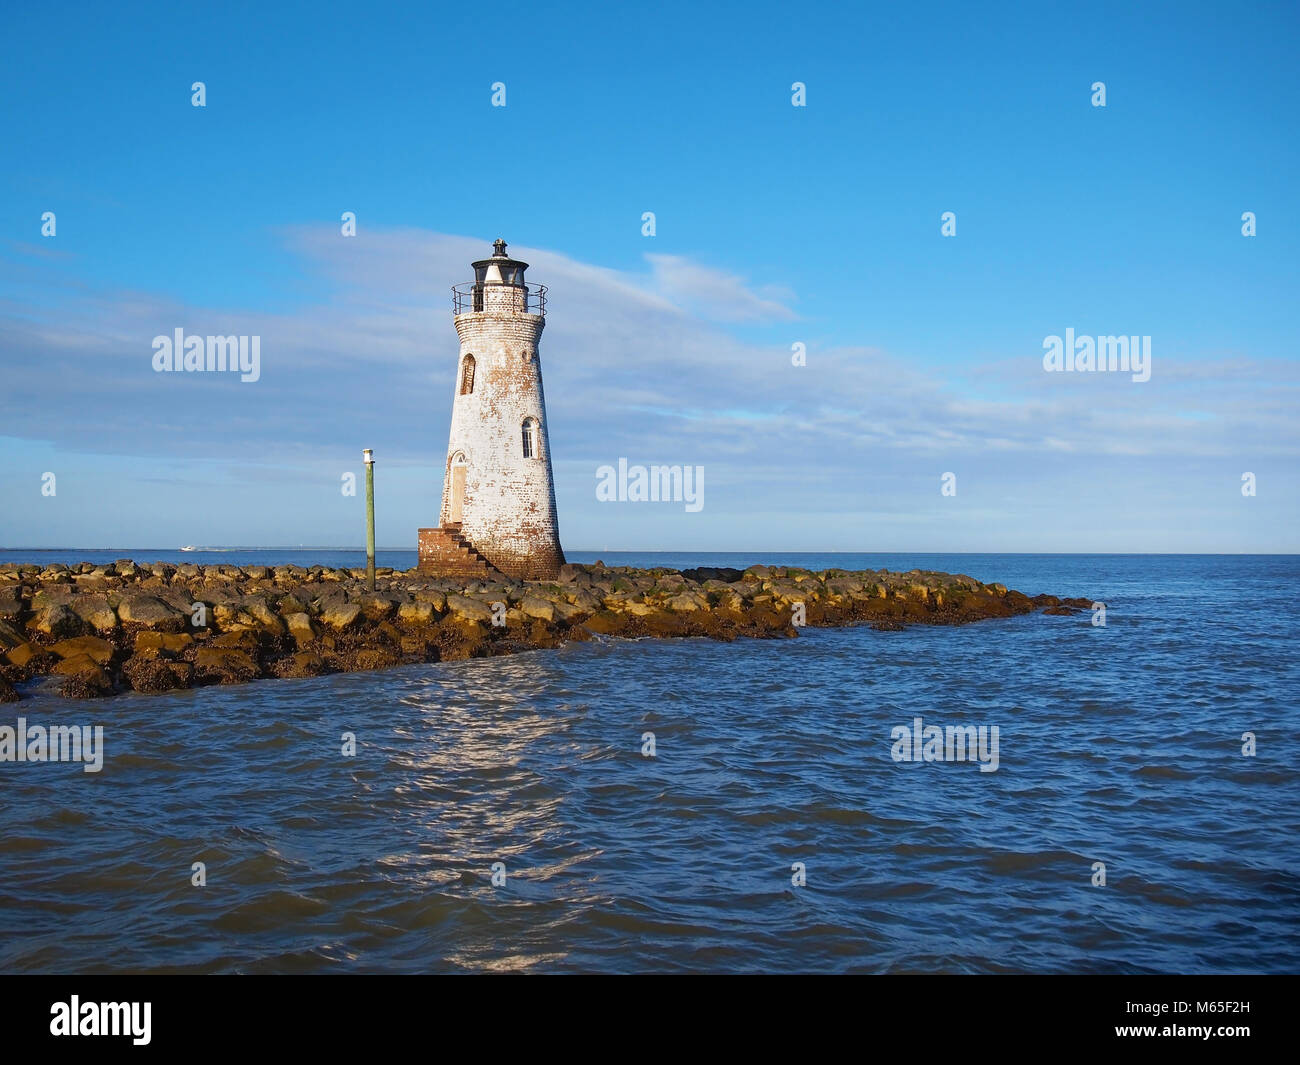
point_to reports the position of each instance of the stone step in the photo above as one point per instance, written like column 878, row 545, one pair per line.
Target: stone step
column 445, row 551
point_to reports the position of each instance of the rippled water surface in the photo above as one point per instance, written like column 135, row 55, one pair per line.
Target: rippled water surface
column 1119, row 744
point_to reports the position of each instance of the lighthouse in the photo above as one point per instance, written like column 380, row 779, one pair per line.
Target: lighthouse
column 498, row 494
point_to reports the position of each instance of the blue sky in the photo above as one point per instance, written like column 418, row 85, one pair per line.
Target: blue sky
column 775, row 225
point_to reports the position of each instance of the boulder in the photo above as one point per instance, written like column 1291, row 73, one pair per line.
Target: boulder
column 571, row 572
column 340, row 615
column 417, row 613
column 291, row 604
column 10, row 637
column 374, row 658
column 170, row 643
column 584, row 600
column 259, row 611
column 245, row 640
column 225, row 665
column 23, row 654
column 11, row 600
column 711, row 573
column 151, row 612
column 534, row 607
column 55, row 619
column 301, row 629
column 568, row 612
column 89, row 683
column 435, row 598
column 95, row 611
column 468, row 609
column 147, row 672
column 100, row 651
column 606, row 623
column 378, row 607
column 302, row 664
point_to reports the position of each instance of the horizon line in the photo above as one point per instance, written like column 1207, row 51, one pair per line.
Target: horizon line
column 682, row 551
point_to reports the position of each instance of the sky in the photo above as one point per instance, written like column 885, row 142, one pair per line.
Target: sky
column 775, row 225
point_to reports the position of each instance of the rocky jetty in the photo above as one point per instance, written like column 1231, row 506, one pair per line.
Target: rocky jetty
column 156, row 627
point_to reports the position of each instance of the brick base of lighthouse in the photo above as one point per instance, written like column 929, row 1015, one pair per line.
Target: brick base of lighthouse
column 444, row 552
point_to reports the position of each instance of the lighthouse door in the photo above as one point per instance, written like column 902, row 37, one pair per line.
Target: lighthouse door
column 457, row 508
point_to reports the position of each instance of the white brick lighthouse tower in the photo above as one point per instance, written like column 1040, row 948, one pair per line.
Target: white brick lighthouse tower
column 498, row 495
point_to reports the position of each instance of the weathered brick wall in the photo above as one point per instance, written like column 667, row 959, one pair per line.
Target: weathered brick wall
column 509, row 503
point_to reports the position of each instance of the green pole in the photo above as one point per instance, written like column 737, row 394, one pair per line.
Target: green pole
column 370, row 519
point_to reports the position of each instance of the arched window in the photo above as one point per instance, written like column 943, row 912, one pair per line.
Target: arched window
column 467, row 375
column 532, row 439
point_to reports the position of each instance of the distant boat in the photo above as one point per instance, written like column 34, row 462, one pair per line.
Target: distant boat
column 189, row 547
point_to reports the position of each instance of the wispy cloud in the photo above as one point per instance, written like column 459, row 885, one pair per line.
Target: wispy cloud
column 634, row 365
column 717, row 295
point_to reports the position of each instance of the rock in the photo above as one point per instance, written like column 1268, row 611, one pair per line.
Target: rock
column 151, row 613
column 568, row 612
column 148, row 673
column 225, row 665
column 606, row 623
column 418, row 647
column 100, row 651
column 169, row 642
column 95, row 611
column 11, row 600
column 74, row 664
column 301, row 629
column 435, row 598
column 378, row 607
column 260, row 612
column 226, row 614
column 709, row 573
column 416, row 613
column 56, row 620
column 468, row 609
column 571, row 572
column 340, row 615
column 48, row 596
column 534, row 607
column 584, row 600
column 291, row 604
column 302, row 664
column 23, row 655
column 10, row 637
column 686, row 602
column 245, row 640
column 89, row 683
column 375, row 658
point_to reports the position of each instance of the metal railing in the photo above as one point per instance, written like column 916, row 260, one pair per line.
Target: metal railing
column 473, row 296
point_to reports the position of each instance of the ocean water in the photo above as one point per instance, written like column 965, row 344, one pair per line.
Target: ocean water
column 1119, row 744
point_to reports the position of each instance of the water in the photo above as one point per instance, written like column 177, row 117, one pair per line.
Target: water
column 1119, row 744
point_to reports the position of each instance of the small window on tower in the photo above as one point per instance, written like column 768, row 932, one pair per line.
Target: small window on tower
column 532, row 441
column 467, row 375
